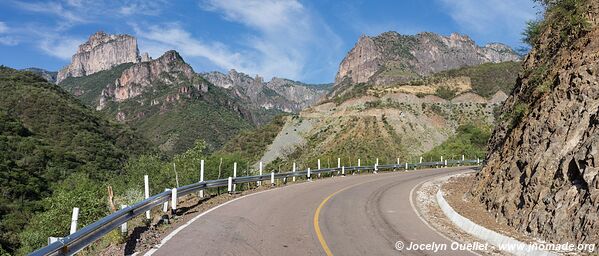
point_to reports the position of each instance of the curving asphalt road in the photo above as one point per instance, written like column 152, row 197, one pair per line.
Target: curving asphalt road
column 352, row 215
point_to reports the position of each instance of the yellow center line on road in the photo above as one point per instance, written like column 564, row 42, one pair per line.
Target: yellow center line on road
column 323, row 243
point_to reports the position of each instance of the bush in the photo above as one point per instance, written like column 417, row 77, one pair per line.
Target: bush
column 470, row 140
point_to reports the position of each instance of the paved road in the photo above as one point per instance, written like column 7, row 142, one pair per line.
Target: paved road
column 352, row 215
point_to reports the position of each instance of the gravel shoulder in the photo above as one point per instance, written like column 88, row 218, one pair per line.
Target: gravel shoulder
column 427, row 207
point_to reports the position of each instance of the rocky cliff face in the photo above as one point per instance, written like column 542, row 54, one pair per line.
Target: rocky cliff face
column 280, row 94
column 542, row 173
column 101, row 52
column 140, row 77
column 391, row 58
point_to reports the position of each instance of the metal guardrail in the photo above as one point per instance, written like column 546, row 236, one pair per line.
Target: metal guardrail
column 75, row 242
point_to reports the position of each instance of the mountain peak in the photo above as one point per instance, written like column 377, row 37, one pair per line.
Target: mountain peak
column 101, row 52
column 391, row 57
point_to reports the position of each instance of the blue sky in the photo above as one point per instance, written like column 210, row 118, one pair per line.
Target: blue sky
column 301, row 40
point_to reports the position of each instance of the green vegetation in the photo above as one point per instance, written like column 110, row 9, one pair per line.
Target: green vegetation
column 251, row 144
column 470, row 140
column 563, row 18
column 89, row 88
column 446, row 93
column 487, row 78
column 48, row 140
column 353, row 91
column 532, row 31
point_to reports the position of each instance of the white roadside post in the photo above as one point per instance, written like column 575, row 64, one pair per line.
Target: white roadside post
column 406, row 166
column 260, row 173
column 293, row 170
column 338, row 165
column 230, row 184
column 397, row 165
column 343, row 170
column 477, row 160
column 445, row 162
column 74, row 219
column 234, row 174
column 420, row 159
column 319, row 168
column 441, row 159
column 359, row 170
column 165, row 204
column 309, row 175
column 174, row 200
column 201, row 177
column 124, row 225
column 462, row 163
column 272, row 179
column 147, row 193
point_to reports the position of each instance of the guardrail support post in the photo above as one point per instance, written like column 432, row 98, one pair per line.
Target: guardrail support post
column 420, row 159
column 309, row 175
column 358, row 162
column 174, row 200
column 260, row 182
column 406, row 166
column 165, row 209
column 234, row 175
column 477, row 160
column 376, row 166
column 230, row 185
column 201, row 177
column 74, row 219
column 124, row 225
column 319, row 168
column 147, row 193
column 445, row 162
column 293, row 171
column 272, row 179
column 343, row 170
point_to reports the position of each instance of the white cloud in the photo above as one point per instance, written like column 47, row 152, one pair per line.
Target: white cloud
column 158, row 39
column 283, row 36
column 491, row 17
column 62, row 48
column 3, row 27
column 143, row 7
column 55, row 9
column 5, row 39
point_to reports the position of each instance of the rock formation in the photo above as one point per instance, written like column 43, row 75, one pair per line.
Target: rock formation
column 281, row 94
column 101, row 52
column 141, row 76
column 542, row 172
column 50, row 76
column 390, row 57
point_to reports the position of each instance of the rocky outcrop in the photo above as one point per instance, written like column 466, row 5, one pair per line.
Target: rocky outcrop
column 138, row 78
column 542, row 172
column 361, row 62
column 50, row 76
column 391, row 58
column 281, row 94
column 101, row 52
